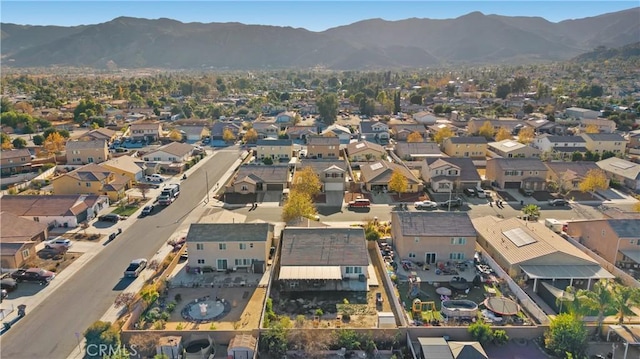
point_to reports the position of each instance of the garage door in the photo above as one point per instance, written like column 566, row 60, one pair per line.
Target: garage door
column 515, row 185
column 334, row 186
column 274, row 187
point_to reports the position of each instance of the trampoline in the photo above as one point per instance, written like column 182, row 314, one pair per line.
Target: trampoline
column 502, row 305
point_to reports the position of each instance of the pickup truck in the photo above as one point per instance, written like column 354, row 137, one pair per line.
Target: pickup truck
column 135, row 268
column 33, row 275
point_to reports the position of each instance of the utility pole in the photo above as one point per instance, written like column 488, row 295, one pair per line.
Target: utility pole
column 450, row 191
column 206, row 176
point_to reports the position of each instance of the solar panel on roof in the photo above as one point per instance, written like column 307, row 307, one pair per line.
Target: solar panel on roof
column 519, row 237
column 376, row 166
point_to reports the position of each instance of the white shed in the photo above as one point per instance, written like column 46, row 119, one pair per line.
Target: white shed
column 386, row 320
column 242, row 346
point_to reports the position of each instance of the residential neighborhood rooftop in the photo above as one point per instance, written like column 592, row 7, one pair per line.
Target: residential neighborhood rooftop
column 229, row 232
column 328, row 246
column 434, row 224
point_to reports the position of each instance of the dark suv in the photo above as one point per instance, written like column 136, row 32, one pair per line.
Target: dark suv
column 111, row 217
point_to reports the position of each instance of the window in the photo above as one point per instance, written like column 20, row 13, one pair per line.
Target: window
column 200, row 261
column 417, row 239
column 88, row 184
column 412, row 255
column 456, row 256
column 25, row 253
column 222, row 246
column 199, row 246
column 354, row 270
column 458, row 241
column 250, row 245
column 90, row 159
column 243, row 246
column 244, row 188
column 36, row 219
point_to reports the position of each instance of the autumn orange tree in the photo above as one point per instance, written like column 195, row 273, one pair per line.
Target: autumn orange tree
column 298, row 204
column 592, row 129
column 398, row 182
column 251, row 136
column 414, row 137
column 228, row 136
column 306, row 181
column 442, row 135
column 486, row 130
column 594, row 180
column 503, row 134
column 54, row 143
column 525, row 136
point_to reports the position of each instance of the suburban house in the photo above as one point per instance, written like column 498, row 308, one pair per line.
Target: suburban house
column 343, row 133
column 85, row 152
column 277, row 150
column 508, row 124
column 285, row 119
column 172, row 152
column 418, row 151
column 469, row 147
column 568, row 175
column 92, row 179
column 194, row 133
column 301, row 132
column 513, row 149
column 323, row 147
column 448, row 173
column 374, row 131
column 457, row 131
column 531, row 251
column 376, row 176
column 424, row 118
column 15, row 161
column 602, row 124
column 324, row 259
column 146, row 131
column 580, row 113
column 57, row 210
column 126, row 166
column 402, row 131
column 515, row 173
column 266, row 130
column 605, row 142
column 634, row 139
column 18, row 240
column 622, row 171
column 332, row 173
column 433, row 237
column 365, row 151
column 218, row 128
column 229, row 246
column 541, row 126
column 615, row 240
column 565, row 144
column 260, row 178
column 440, row 348
column 101, row 133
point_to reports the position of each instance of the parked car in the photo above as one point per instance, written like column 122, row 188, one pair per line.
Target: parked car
column 456, row 202
column 8, row 284
column 426, row 205
column 480, row 193
column 360, row 202
column 3, row 294
column 135, row 268
column 558, row 202
column 33, row 275
column 111, row 217
column 470, row 192
column 146, row 210
column 58, row 243
column 527, row 191
column 154, row 178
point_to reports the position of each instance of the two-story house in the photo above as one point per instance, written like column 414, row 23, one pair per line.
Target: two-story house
column 580, row 113
column 301, row 133
column 18, row 240
column 147, row 131
column 266, row 130
column 402, row 130
column 615, row 240
column 100, row 134
column 541, row 126
column 508, row 124
column 567, row 176
column 374, row 131
column 332, row 173
column 92, row 179
column 219, row 127
column 194, row 133
column 468, row 147
column 418, row 151
column 510, row 148
column 277, row 150
column 126, row 166
column 285, row 119
column 324, row 259
column 343, row 133
column 225, row 246
column 365, row 151
column 376, row 176
column 15, row 161
column 448, row 173
column 622, row 171
column 564, row 146
column 85, row 152
column 605, row 142
column 323, row 147
column 515, row 173
column 432, row 237
column 603, row 125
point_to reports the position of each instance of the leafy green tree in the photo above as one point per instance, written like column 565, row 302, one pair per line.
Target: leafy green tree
column 38, row 140
column 481, row 331
column 101, row 333
column 396, row 102
column 566, row 334
column 416, row 99
column 531, row 211
column 503, row 90
column 598, row 298
column 274, row 341
column 19, row 142
column 438, row 109
column 267, row 161
column 347, row 338
column 576, row 156
column 328, row 107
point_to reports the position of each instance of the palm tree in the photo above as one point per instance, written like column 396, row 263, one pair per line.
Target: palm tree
column 598, row 298
column 531, row 211
column 569, row 301
column 623, row 298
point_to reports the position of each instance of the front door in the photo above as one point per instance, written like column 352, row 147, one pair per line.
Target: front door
column 429, row 258
column 222, row 264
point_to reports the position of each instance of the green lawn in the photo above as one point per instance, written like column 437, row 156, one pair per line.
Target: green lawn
column 126, row 211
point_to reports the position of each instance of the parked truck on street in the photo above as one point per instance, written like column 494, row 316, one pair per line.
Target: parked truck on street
column 169, row 194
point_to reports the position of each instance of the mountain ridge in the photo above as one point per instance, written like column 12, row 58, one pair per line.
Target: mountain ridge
column 368, row 44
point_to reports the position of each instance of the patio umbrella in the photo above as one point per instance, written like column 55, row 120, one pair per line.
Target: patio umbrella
column 443, row 291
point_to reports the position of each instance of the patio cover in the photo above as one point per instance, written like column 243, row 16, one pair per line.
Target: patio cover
column 633, row 255
column 566, row 272
column 630, row 333
column 310, row 272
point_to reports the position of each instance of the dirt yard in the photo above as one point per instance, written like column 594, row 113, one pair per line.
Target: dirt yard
column 52, row 262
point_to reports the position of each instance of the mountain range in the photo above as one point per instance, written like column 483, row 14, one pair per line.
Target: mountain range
column 474, row 38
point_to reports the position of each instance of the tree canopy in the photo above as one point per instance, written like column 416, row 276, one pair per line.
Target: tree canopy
column 307, row 181
column 398, row 182
column 414, row 137
column 566, row 334
column 594, row 180
column 299, row 204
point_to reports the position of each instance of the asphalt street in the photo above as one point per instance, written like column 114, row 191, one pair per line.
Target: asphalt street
column 51, row 329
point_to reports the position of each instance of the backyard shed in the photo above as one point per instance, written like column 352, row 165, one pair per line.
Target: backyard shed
column 386, row 320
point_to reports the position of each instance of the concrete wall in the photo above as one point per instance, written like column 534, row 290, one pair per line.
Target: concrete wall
column 396, row 307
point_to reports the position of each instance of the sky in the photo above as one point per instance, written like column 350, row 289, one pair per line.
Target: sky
column 311, row 15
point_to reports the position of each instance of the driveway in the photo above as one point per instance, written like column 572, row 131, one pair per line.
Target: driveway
column 334, row 198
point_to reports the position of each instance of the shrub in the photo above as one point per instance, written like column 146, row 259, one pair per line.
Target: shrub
column 319, row 312
column 171, row 307
column 159, row 324
column 179, row 326
column 300, row 319
column 178, row 297
column 500, row 336
column 481, row 331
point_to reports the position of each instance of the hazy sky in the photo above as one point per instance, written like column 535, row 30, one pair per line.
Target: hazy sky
column 311, row 15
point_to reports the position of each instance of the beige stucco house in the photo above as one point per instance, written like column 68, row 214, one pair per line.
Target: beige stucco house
column 223, row 246
column 260, row 178
column 126, row 166
column 433, row 237
column 365, row 151
column 469, row 147
column 513, row 149
column 149, row 131
column 376, row 176
column 622, row 171
column 15, row 161
column 515, row 173
column 277, row 150
column 447, row 173
column 85, row 152
column 615, row 240
column 92, row 179
column 174, row 152
column 323, row 147
column 605, row 142
column 567, row 176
